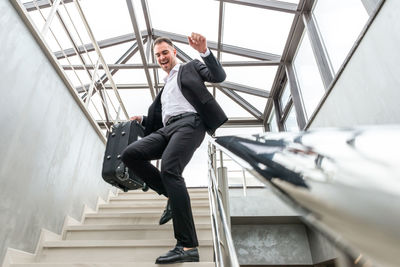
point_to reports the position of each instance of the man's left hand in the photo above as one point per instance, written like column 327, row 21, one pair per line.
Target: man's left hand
column 198, row 42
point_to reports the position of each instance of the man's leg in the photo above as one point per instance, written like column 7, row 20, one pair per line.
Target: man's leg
column 181, row 146
column 137, row 157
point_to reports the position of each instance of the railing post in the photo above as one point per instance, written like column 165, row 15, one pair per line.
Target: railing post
column 223, row 188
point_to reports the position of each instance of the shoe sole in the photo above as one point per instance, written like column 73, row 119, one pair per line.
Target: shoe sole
column 180, row 261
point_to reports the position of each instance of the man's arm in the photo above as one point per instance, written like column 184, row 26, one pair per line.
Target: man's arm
column 212, row 71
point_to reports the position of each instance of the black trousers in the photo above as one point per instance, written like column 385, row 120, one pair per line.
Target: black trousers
column 174, row 144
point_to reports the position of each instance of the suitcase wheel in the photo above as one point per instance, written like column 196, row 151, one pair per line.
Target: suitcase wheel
column 145, row 188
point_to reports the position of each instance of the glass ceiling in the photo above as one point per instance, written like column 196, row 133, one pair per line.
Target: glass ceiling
column 253, row 35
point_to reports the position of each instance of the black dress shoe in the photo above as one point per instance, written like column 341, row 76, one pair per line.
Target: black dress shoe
column 179, row 255
column 167, row 214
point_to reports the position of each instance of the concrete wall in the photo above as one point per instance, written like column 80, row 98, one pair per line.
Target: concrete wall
column 258, row 202
column 51, row 156
column 266, row 231
column 367, row 92
column 278, row 244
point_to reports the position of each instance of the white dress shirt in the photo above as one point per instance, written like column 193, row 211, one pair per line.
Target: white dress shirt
column 172, row 100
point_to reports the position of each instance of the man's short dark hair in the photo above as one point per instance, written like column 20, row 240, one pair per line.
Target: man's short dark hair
column 160, row 40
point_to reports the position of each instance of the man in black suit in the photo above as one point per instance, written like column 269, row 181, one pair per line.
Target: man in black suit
column 174, row 128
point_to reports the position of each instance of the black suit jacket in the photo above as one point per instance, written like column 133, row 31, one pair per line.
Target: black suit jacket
column 191, row 78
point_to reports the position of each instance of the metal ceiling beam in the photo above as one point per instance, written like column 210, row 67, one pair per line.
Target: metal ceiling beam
column 112, row 66
column 102, row 44
column 321, row 55
column 245, row 89
column 140, row 45
column 149, row 27
column 370, row 5
column 236, row 50
column 156, row 66
column 242, row 122
column 221, row 18
column 241, row 102
column 260, row 63
column 30, row 6
column 227, row 85
column 146, row 13
column 267, row 4
column 292, row 43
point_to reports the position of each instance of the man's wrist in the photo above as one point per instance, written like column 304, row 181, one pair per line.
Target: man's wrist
column 205, row 54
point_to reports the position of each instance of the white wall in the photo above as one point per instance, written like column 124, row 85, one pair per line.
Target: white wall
column 368, row 90
column 51, row 156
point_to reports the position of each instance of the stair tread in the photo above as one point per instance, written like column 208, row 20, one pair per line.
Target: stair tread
column 190, row 190
column 144, row 205
column 94, row 227
column 111, row 264
column 116, row 243
column 136, row 214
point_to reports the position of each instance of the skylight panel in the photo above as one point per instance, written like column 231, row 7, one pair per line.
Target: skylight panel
column 130, row 76
column 231, row 108
column 256, row 28
column 258, row 102
column 259, row 77
column 109, row 18
column 186, row 16
column 136, row 101
column 113, row 53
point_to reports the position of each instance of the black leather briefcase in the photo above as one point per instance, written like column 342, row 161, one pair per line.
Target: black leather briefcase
column 114, row 170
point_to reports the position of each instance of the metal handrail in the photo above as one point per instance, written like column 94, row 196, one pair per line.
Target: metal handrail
column 345, row 183
column 215, row 200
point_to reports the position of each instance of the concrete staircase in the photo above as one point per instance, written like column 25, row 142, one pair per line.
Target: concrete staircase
column 122, row 232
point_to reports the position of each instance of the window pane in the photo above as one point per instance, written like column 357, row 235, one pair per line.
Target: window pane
column 267, row 29
column 285, row 95
column 291, row 122
column 311, row 86
column 186, row 16
column 340, row 23
column 273, row 127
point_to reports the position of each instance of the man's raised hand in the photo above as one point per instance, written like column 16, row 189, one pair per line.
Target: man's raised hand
column 198, row 42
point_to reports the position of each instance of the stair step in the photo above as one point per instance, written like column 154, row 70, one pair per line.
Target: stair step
column 161, row 201
column 156, row 207
column 138, row 218
column 190, row 190
column 112, row 264
column 146, row 195
column 129, row 232
column 113, row 250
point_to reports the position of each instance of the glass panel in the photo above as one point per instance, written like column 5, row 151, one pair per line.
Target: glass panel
column 113, row 53
column 136, row 101
column 130, row 76
column 311, row 86
column 273, row 126
column 258, row 77
column 232, row 57
column 285, row 95
column 231, row 108
column 186, row 16
column 340, row 23
column 291, row 122
column 258, row 102
column 256, row 28
column 111, row 18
